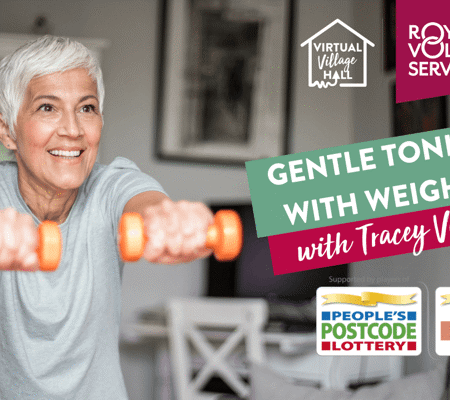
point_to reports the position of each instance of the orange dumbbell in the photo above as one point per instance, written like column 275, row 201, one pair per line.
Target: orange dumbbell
column 50, row 246
column 224, row 236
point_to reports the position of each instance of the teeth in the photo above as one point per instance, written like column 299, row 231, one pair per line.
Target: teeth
column 65, row 153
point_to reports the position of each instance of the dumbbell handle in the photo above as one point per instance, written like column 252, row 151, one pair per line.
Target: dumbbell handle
column 224, row 236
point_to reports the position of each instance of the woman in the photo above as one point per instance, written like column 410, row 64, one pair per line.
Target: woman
column 59, row 331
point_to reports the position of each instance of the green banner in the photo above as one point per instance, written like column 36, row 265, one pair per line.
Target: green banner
column 350, row 183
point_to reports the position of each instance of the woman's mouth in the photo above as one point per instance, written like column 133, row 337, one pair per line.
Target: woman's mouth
column 67, row 155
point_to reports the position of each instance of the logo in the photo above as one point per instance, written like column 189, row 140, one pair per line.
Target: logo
column 369, row 321
column 427, row 44
column 442, row 321
column 337, row 54
column 422, row 50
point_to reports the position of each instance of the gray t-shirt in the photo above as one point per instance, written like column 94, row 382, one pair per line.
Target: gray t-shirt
column 59, row 331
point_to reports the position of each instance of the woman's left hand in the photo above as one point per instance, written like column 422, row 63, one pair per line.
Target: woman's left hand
column 176, row 231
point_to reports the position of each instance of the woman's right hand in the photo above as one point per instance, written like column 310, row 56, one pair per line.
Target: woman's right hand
column 18, row 241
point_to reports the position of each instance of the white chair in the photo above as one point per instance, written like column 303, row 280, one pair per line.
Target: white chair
column 202, row 321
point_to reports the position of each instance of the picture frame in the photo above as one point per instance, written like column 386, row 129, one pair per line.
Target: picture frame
column 389, row 10
column 223, row 80
column 418, row 116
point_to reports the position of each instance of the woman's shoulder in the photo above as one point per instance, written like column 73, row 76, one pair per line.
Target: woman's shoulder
column 107, row 172
column 8, row 175
column 118, row 164
column 122, row 163
column 8, row 164
column 8, row 167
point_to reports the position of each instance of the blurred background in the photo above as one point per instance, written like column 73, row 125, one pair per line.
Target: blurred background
column 318, row 118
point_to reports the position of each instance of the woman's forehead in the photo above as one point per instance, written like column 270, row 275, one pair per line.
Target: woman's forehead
column 65, row 83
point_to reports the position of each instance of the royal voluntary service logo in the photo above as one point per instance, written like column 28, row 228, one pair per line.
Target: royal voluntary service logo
column 332, row 61
column 422, row 49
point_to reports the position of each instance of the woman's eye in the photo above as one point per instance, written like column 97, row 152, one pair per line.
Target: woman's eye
column 88, row 108
column 46, row 107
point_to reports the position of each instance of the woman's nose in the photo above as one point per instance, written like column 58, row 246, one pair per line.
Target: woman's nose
column 70, row 125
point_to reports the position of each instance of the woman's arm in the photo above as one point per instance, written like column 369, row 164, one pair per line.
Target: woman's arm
column 176, row 231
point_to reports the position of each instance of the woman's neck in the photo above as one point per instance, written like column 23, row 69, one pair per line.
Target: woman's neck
column 47, row 204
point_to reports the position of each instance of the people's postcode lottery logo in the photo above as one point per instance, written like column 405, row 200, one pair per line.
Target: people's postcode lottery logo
column 369, row 321
column 337, row 55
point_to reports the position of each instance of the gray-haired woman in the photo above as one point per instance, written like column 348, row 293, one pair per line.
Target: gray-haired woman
column 59, row 331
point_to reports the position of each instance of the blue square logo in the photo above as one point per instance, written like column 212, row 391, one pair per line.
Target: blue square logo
column 325, row 315
column 411, row 315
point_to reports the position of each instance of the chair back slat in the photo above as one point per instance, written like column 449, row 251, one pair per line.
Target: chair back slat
column 190, row 322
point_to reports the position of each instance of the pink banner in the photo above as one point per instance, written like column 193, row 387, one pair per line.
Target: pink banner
column 357, row 241
column 422, row 49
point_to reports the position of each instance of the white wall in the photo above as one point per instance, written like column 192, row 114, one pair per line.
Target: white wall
column 320, row 118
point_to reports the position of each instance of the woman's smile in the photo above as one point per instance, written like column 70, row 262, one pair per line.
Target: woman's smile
column 66, row 154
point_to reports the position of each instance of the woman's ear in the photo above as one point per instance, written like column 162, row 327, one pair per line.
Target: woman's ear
column 5, row 137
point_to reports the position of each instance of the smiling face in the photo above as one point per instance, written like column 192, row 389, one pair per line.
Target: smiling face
column 58, row 131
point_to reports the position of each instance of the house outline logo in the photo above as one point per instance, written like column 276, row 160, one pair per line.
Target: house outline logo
column 336, row 77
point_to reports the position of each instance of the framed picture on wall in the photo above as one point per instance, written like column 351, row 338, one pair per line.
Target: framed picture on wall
column 389, row 34
column 419, row 115
column 223, row 80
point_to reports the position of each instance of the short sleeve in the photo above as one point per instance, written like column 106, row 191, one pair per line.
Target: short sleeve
column 119, row 182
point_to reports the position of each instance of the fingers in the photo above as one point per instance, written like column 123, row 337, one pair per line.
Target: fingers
column 176, row 231
column 153, row 225
column 27, row 250
column 18, row 241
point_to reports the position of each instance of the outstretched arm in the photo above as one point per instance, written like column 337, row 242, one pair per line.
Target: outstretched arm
column 176, row 231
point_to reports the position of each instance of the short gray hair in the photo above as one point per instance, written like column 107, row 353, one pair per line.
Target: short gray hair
column 43, row 56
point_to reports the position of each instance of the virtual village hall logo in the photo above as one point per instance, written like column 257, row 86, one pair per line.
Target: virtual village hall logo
column 332, row 61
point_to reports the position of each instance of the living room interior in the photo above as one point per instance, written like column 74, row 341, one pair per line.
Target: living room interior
column 127, row 36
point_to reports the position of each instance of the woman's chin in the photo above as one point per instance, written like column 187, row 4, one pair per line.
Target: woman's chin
column 66, row 183
column 66, row 186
